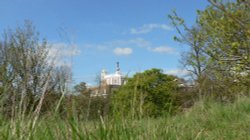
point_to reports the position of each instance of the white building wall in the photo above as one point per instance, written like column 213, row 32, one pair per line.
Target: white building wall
column 112, row 79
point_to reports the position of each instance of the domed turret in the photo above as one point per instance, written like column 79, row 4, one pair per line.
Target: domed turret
column 103, row 74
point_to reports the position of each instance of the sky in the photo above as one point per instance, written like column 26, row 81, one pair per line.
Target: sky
column 91, row 35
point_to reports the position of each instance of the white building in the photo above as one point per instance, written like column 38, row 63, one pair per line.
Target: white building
column 109, row 83
column 116, row 79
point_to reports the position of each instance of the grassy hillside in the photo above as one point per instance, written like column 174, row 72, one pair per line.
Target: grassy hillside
column 206, row 120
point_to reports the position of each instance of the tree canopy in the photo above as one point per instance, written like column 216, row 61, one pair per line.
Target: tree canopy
column 219, row 43
column 146, row 94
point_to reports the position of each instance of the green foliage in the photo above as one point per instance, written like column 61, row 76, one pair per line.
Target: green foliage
column 149, row 93
column 24, row 68
column 206, row 120
column 195, row 60
column 78, row 107
column 227, row 28
column 219, row 55
column 225, row 25
column 81, row 88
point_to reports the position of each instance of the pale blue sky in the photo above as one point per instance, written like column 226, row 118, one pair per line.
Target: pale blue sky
column 137, row 33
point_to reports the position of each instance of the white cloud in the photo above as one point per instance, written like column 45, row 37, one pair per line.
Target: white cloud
column 137, row 42
column 177, row 72
column 117, row 45
column 123, row 51
column 146, row 28
column 60, row 53
column 163, row 49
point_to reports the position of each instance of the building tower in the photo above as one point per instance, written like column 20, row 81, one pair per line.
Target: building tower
column 103, row 74
column 118, row 68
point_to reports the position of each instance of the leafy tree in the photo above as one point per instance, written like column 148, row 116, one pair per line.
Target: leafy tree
column 221, row 38
column 149, row 93
column 226, row 26
column 80, row 88
column 195, row 60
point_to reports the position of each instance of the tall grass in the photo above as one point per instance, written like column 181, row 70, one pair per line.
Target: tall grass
column 205, row 120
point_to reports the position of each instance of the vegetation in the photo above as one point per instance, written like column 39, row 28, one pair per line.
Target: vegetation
column 207, row 119
column 149, row 93
column 219, row 55
column 37, row 103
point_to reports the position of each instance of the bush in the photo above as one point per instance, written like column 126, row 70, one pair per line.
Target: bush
column 146, row 94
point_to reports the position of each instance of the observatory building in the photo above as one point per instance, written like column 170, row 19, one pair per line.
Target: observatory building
column 109, row 82
column 116, row 79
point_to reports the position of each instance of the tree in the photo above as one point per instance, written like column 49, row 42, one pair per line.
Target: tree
column 24, row 68
column 219, row 45
column 226, row 25
column 195, row 60
column 146, row 94
column 80, row 88
column 26, row 71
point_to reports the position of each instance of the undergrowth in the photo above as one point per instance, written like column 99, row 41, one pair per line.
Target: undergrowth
column 205, row 120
